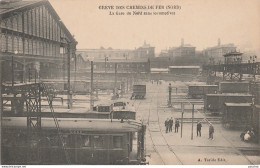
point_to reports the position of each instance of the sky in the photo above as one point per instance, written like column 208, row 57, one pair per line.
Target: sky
column 199, row 22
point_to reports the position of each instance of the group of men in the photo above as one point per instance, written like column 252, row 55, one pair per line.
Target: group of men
column 169, row 124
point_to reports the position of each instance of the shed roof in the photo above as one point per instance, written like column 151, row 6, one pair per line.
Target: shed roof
column 229, row 94
column 238, row 104
column 235, row 53
column 102, row 125
column 184, row 67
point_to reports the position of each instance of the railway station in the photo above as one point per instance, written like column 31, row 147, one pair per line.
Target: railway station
column 58, row 107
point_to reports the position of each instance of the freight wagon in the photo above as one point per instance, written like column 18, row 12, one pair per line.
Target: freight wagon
column 215, row 102
column 139, row 91
column 238, row 115
column 234, row 87
column 199, row 91
column 87, row 141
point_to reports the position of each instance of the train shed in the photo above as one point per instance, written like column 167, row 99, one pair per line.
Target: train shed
column 190, row 70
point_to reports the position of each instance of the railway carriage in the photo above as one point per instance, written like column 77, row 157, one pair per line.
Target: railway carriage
column 199, row 91
column 238, row 115
column 87, row 141
column 214, row 103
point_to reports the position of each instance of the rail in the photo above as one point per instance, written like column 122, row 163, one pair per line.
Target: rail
column 48, row 92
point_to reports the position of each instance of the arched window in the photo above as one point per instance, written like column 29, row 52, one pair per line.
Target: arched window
column 3, row 23
column 33, row 22
column 15, row 24
column 9, row 23
column 10, row 44
column 34, row 48
column 40, row 48
column 25, row 22
column 30, row 46
column 20, row 45
column 26, row 46
column 29, row 22
column 20, row 23
column 15, row 46
column 3, row 44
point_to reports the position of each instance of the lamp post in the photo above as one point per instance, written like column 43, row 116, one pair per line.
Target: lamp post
column 106, row 59
column 68, row 82
column 15, row 52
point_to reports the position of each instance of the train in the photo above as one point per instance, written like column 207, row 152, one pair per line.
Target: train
column 214, row 103
column 199, row 91
column 139, row 91
column 87, row 141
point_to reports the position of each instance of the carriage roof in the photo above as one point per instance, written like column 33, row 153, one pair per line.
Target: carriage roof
column 101, row 125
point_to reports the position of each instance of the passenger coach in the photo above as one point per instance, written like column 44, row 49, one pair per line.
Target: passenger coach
column 87, row 141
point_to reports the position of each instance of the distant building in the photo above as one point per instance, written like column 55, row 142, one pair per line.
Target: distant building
column 143, row 52
column 185, row 50
column 123, row 66
column 217, row 52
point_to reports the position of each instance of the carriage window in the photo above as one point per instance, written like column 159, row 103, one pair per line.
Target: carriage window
column 86, row 141
column 54, row 140
column 66, row 140
column 117, row 142
column 98, row 142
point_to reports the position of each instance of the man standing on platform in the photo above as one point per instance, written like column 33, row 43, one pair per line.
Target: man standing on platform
column 199, row 129
column 170, row 124
column 177, row 124
column 211, row 131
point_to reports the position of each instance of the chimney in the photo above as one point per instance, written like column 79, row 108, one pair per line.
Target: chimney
column 182, row 42
column 219, row 42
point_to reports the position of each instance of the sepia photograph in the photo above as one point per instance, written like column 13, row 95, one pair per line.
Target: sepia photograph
column 130, row 82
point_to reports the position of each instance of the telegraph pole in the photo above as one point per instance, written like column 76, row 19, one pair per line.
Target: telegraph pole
column 192, row 121
column 91, row 88
column 68, row 83
column 170, row 96
column 182, row 111
column 115, row 91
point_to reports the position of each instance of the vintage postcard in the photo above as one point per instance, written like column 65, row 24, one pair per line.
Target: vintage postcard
column 130, row 82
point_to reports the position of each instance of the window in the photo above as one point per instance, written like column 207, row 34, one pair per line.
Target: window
column 3, row 43
column 25, row 22
column 15, row 26
column 15, row 44
column 117, row 141
column 86, row 141
column 98, row 141
column 20, row 23
column 10, row 44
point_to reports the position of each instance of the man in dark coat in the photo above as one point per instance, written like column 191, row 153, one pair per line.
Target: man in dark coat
column 211, row 131
column 166, row 123
column 199, row 129
column 177, row 124
column 170, row 124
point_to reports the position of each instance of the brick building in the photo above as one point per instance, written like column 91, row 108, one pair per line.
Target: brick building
column 143, row 52
column 218, row 51
column 33, row 40
column 184, row 50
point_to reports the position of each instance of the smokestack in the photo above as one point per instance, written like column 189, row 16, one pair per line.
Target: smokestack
column 219, row 42
column 182, row 42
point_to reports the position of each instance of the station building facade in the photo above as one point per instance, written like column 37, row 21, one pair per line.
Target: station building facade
column 34, row 40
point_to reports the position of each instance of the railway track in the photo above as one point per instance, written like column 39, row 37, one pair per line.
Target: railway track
column 158, row 140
